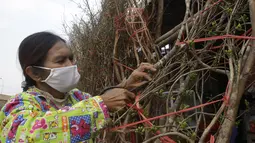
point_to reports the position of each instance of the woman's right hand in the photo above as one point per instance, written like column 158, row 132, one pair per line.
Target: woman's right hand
column 117, row 98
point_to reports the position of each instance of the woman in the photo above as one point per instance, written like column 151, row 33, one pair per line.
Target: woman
column 50, row 109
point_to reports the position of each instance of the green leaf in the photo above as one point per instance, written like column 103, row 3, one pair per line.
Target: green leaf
column 214, row 23
column 193, row 136
column 229, row 10
column 238, row 27
column 161, row 91
column 238, row 122
column 193, row 76
column 247, row 103
column 154, row 128
column 191, row 43
column 184, row 106
column 212, row 33
column 228, row 52
column 184, row 125
column 244, row 18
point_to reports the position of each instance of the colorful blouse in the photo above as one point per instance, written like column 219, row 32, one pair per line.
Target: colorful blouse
column 33, row 117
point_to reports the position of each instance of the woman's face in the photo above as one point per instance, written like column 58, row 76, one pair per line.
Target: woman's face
column 59, row 56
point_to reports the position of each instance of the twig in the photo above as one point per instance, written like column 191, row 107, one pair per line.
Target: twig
column 214, row 120
column 170, row 133
column 159, row 17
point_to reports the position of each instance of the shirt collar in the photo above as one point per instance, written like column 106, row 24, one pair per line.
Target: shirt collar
column 47, row 95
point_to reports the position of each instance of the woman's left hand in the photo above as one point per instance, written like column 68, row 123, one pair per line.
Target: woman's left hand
column 140, row 76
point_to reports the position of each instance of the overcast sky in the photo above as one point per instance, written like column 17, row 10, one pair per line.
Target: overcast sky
column 20, row 18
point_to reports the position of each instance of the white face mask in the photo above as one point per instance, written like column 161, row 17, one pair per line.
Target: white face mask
column 62, row 79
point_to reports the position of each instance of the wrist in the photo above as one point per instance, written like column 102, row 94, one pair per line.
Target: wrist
column 103, row 106
column 123, row 83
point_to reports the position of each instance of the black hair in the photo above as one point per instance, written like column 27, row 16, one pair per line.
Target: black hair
column 33, row 51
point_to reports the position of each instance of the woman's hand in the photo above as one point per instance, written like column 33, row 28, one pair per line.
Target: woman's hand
column 139, row 76
column 117, row 98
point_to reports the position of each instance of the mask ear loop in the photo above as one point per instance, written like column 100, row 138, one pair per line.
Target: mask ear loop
column 45, row 68
column 42, row 67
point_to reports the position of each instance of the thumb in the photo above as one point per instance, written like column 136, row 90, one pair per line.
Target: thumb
column 138, row 84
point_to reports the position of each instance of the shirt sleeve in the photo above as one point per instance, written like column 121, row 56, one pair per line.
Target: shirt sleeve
column 22, row 119
column 77, row 95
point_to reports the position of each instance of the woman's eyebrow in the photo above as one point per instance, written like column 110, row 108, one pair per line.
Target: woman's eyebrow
column 71, row 55
column 59, row 57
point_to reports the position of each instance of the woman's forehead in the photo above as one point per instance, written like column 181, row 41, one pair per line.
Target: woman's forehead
column 59, row 49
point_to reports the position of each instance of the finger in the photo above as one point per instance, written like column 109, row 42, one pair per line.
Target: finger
column 143, row 75
column 121, row 103
column 134, row 87
column 130, row 95
column 139, row 84
column 123, row 97
column 146, row 66
column 120, row 108
column 127, row 99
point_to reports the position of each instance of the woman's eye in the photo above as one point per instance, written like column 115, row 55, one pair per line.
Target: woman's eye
column 71, row 58
column 61, row 61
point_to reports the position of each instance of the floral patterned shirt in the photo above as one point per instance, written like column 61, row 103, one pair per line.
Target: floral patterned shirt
column 33, row 117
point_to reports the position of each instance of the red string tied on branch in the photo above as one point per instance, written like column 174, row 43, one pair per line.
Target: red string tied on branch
column 164, row 139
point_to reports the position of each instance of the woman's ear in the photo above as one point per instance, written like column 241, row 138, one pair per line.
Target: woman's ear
column 30, row 72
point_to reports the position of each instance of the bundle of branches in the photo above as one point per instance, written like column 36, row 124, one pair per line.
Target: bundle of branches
column 92, row 39
column 213, row 43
